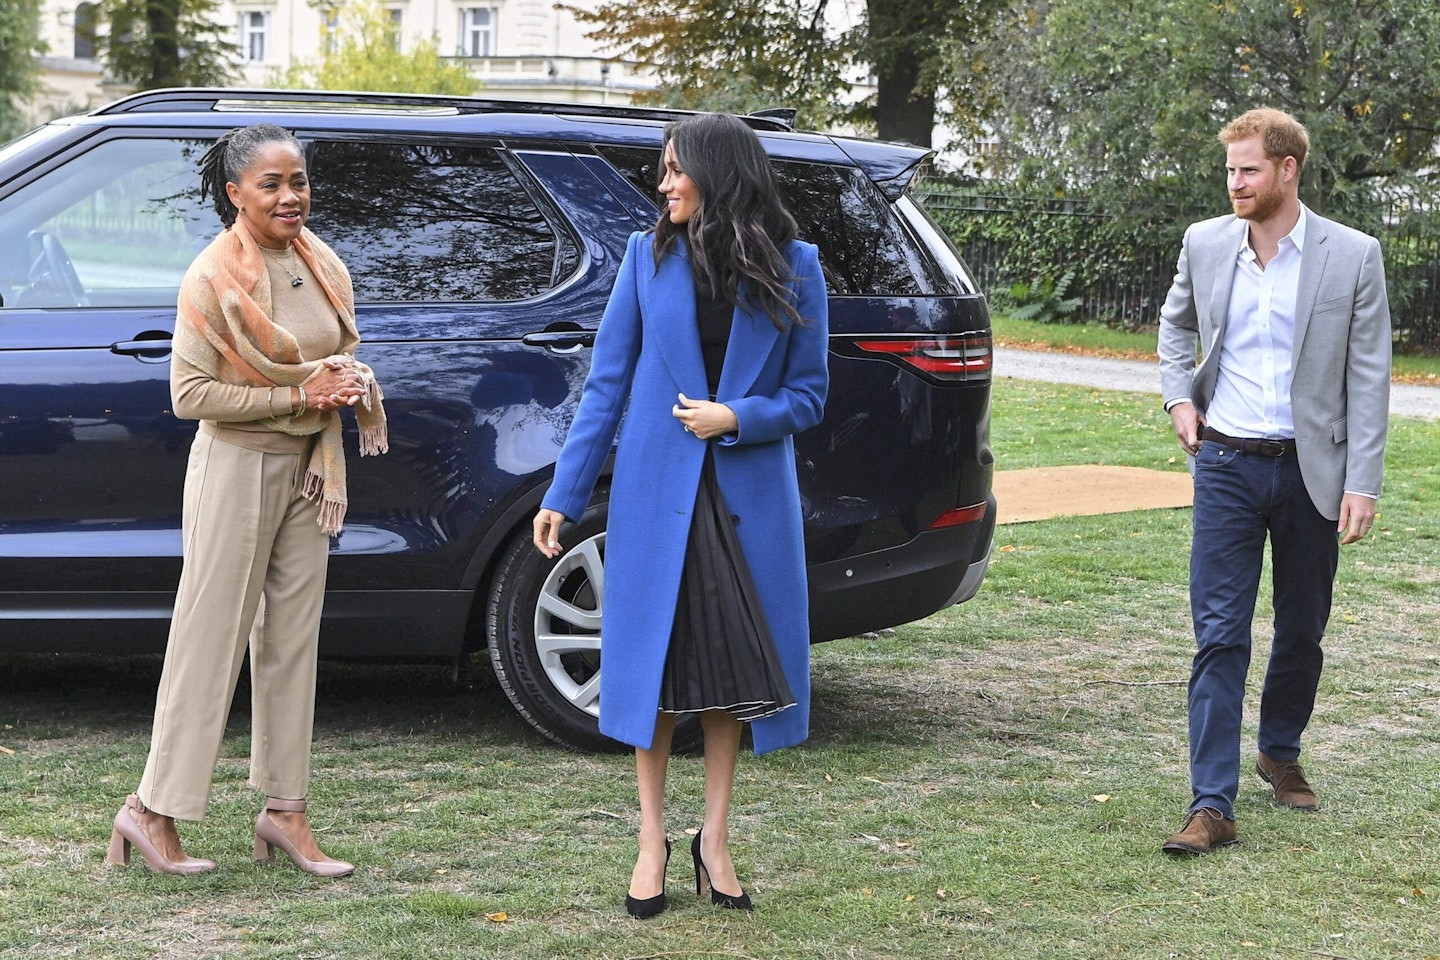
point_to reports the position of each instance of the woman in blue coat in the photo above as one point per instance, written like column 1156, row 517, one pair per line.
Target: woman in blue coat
column 712, row 349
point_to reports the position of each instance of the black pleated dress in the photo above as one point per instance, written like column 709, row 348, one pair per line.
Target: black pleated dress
column 722, row 655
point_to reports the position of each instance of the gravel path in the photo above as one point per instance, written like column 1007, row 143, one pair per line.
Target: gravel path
column 1140, row 376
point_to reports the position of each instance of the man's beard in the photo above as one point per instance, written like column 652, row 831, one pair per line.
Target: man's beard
column 1263, row 205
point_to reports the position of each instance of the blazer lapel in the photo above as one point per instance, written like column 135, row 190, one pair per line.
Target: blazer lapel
column 752, row 337
column 670, row 320
column 1312, row 268
column 1228, row 248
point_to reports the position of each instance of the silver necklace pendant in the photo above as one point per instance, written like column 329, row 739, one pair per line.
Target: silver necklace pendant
column 295, row 278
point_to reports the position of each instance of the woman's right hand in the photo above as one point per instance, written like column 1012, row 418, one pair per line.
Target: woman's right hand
column 334, row 384
column 547, row 532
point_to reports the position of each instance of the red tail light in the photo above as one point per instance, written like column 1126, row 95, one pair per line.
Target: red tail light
column 965, row 357
column 958, row 516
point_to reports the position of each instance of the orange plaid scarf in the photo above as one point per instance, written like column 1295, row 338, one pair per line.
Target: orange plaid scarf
column 225, row 330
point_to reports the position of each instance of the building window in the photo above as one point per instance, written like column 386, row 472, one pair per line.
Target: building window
column 397, row 23
column 85, row 22
column 332, row 30
column 254, row 35
column 477, row 31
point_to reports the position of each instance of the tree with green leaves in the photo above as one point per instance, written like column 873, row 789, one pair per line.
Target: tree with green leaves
column 19, row 72
column 736, row 56
column 166, row 43
column 1122, row 99
column 922, row 53
column 364, row 54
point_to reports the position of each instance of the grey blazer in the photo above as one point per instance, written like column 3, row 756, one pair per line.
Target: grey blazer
column 1340, row 394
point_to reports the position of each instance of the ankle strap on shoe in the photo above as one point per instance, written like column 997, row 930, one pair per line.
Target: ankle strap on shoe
column 284, row 806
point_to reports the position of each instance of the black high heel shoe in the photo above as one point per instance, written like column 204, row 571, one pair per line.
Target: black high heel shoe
column 726, row 900
column 650, row 906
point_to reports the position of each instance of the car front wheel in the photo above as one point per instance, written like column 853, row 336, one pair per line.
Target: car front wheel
column 544, row 625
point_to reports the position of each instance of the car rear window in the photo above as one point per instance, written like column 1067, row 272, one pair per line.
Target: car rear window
column 434, row 222
column 865, row 248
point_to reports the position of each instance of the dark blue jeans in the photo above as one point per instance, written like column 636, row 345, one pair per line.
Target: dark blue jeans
column 1240, row 499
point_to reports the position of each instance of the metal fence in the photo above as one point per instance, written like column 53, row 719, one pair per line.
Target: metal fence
column 1129, row 291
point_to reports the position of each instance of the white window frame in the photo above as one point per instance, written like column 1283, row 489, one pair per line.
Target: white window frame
column 331, row 15
column 479, row 30
column 397, row 25
column 254, row 26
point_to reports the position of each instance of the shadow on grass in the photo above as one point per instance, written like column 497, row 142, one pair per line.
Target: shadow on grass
column 62, row 696
column 52, row 697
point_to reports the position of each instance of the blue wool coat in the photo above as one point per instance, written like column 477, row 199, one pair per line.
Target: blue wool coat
column 647, row 352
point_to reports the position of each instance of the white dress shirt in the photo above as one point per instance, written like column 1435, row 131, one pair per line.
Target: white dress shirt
column 1252, row 391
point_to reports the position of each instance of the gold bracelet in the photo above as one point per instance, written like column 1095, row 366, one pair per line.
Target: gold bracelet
column 301, row 411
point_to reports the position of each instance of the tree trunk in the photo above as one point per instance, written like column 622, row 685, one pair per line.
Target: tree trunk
column 902, row 35
column 901, row 111
column 161, row 21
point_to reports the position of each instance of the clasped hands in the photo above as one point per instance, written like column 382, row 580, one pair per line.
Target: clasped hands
column 335, row 383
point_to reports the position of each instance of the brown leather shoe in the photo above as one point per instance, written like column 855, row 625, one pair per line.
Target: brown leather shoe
column 1288, row 781
column 1204, row 830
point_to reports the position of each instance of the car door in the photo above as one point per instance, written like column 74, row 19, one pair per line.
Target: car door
column 91, row 460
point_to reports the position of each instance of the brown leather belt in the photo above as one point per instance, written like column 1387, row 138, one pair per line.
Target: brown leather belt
column 1265, row 448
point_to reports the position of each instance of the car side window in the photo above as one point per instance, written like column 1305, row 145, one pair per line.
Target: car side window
column 435, row 222
column 115, row 227
column 863, row 247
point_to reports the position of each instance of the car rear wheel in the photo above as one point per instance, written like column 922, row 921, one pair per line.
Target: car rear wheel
column 544, row 621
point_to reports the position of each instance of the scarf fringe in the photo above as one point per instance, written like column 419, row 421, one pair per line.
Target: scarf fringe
column 332, row 516
column 374, row 440
column 332, row 509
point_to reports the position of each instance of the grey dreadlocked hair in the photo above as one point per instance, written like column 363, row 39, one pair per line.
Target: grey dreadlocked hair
column 231, row 154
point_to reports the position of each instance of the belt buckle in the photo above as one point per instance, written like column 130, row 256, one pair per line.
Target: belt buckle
column 1270, row 448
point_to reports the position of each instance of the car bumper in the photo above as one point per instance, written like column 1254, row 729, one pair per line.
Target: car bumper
column 936, row 569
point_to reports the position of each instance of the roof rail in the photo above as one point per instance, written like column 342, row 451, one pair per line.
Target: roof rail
column 216, row 99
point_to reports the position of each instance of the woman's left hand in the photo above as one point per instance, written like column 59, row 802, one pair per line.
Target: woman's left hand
column 705, row 418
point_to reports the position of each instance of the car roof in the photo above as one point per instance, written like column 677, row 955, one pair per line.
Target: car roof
column 889, row 165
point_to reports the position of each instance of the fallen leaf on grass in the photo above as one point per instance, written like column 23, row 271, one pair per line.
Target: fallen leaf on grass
column 500, row 917
column 1248, row 943
column 910, row 898
column 7, row 751
column 1101, row 798
column 1418, row 892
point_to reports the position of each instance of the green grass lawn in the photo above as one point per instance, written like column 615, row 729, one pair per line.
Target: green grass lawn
column 1140, row 345
column 992, row 782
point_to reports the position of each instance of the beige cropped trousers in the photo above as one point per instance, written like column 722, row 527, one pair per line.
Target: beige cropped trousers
column 248, row 533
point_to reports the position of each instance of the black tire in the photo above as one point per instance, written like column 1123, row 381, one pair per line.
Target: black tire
column 556, row 690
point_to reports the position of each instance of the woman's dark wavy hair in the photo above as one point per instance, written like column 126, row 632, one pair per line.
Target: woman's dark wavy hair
column 740, row 225
column 230, row 155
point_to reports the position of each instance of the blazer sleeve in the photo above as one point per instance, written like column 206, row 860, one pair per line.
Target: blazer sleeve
column 800, row 402
column 1179, row 332
column 1367, row 377
column 604, row 396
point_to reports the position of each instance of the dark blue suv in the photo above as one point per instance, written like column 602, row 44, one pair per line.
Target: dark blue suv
column 483, row 237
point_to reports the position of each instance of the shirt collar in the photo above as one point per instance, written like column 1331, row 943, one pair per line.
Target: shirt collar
column 1296, row 236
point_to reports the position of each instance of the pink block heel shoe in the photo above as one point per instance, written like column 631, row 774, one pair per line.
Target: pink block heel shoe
column 269, row 833
column 127, row 832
